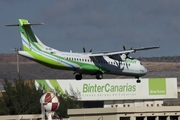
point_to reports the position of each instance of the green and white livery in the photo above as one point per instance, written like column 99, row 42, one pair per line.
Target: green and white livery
column 116, row 62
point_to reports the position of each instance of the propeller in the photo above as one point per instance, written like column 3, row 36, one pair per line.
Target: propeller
column 127, row 54
column 84, row 50
column 124, row 48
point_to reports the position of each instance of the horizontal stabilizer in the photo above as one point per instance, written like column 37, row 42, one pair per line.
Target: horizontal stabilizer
column 35, row 24
column 8, row 25
column 12, row 25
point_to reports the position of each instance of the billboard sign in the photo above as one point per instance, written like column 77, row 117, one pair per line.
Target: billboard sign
column 113, row 89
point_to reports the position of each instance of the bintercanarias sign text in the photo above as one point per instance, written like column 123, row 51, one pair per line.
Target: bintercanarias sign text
column 92, row 88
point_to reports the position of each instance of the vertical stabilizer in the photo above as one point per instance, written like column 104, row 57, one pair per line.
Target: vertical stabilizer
column 29, row 39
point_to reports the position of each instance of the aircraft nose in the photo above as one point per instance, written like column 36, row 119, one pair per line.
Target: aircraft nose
column 144, row 70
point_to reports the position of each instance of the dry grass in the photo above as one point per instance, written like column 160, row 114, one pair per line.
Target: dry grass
column 161, row 65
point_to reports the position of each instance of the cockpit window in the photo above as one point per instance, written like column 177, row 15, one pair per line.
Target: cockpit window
column 141, row 63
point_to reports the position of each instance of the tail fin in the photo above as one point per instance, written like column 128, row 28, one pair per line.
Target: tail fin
column 29, row 39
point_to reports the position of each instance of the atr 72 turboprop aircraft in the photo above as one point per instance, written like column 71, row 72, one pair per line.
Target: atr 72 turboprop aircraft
column 116, row 62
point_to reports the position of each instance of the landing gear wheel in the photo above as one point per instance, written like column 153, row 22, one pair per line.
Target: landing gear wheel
column 138, row 81
column 99, row 75
column 78, row 76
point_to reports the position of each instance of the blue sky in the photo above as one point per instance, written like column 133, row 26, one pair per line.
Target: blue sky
column 103, row 25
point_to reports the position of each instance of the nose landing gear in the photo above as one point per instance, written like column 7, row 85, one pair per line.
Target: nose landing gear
column 138, row 80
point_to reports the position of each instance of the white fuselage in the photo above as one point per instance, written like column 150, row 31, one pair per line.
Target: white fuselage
column 128, row 67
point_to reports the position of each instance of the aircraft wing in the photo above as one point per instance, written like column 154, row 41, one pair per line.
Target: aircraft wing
column 121, row 52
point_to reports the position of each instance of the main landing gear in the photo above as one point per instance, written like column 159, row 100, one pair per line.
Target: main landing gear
column 78, row 76
column 138, row 80
column 98, row 76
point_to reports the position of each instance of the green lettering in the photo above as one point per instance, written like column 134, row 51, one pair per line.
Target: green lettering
column 106, row 89
column 134, row 88
column 112, row 89
column 129, row 88
column 109, row 88
column 131, row 61
column 95, row 88
column 121, row 88
column 85, row 88
column 99, row 88
column 91, row 88
column 116, row 88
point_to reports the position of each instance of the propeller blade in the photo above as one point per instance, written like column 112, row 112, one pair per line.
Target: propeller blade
column 124, row 47
column 84, row 50
column 90, row 50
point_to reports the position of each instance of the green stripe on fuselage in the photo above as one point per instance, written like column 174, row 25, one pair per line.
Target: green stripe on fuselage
column 45, row 60
column 86, row 67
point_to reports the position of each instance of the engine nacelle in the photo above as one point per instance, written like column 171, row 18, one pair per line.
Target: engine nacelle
column 119, row 57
